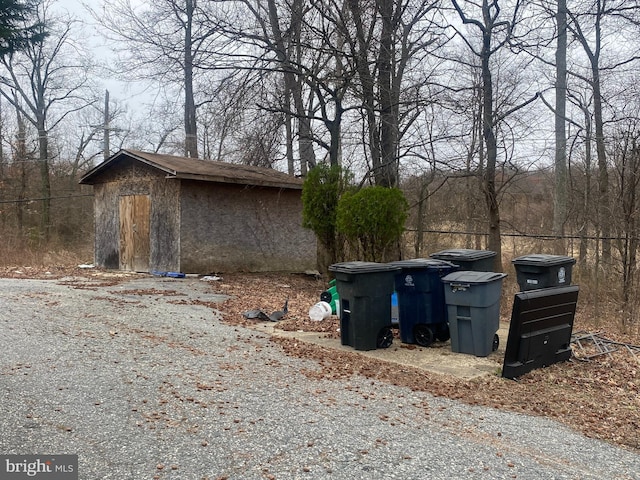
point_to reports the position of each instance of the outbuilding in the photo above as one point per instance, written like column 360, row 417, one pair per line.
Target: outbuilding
column 164, row 213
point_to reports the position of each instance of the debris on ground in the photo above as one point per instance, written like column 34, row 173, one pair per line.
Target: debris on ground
column 157, row 273
column 260, row 315
column 211, row 278
column 591, row 345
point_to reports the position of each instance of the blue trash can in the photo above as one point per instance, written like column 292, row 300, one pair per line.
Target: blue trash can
column 422, row 312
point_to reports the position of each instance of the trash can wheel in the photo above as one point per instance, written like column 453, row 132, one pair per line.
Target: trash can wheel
column 496, row 342
column 423, row 335
column 443, row 334
column 385, row 337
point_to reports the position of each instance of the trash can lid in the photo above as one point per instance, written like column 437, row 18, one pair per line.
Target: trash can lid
column 463, row 254
column 424, row 263
column 472, row 277
column 362, row 267
column 542, row 259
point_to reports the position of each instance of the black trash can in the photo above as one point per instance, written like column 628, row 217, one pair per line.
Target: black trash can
column 422, row 311
column 468, row 259
column 539, row 270
column 365, row 290
column 473, row 307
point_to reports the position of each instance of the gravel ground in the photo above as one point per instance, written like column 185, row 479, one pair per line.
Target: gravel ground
column 141, row 380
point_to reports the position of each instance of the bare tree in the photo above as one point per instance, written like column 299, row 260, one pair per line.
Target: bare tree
column 560, row 163
column 271, row 34
column 46, row 82
column 589, row 28
column 385, row 39
column 626, row 158
column 495, row 33
column 163, row 41
column 20, row 155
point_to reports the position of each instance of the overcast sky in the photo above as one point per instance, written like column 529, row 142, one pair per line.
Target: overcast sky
column 118, row 90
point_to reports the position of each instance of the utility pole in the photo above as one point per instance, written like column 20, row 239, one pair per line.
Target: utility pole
column 107, row 130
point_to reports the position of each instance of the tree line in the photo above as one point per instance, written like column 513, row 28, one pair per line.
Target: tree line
column 417, row 94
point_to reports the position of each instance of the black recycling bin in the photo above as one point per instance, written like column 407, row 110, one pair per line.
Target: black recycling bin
column 365, row 290
column 539, row 270
column 473, row 308
column 468, row 259
column 422, row 311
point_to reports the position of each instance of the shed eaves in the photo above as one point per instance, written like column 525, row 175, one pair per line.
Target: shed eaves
column 202, row 170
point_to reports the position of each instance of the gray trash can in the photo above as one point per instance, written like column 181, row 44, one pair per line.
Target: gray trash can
column 365, row 290
column 468, row 259
column 539, row 270
column 473, row 309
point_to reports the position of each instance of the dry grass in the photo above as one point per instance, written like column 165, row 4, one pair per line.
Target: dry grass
column 15, row 253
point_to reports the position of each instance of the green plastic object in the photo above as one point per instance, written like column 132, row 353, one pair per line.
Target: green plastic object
column 331, row 296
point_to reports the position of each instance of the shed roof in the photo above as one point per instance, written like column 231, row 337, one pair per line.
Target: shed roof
column 195, row 169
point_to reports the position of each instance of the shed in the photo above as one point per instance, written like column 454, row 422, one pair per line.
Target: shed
column 157, row 212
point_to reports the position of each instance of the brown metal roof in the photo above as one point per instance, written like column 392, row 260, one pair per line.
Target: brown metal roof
column 203, row 170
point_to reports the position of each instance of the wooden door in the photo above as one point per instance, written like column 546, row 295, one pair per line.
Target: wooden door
column 135, row 214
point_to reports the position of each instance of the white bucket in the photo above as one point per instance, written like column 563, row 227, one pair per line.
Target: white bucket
column 319, row 311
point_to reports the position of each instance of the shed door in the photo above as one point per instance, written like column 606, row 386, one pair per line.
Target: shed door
column 135, row 214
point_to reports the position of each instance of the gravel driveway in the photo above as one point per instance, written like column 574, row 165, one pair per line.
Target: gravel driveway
column 141, row 383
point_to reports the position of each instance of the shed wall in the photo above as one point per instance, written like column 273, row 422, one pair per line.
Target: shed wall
column 133, row 178
column 242, row 228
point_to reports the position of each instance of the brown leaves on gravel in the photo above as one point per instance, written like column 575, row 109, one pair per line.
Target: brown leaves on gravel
column 600, row 397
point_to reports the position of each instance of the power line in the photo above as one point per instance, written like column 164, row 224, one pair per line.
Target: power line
column 443, row 232
column 28, row 200
column 521, row 235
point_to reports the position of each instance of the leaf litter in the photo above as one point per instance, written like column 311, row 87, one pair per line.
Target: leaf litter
column 599, row 397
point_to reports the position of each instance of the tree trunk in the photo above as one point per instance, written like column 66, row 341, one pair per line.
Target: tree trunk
column 367, row 83
column 288, row 122
column 560, row 197
column 190, row 123
column 107, row 129
column 293, row 82
column 45, row 191
column 424, row 194
column 388, row 102
column 603, row 173
column 472, row 239
column 21, row 157
column 489, row 179
column 586, row 199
